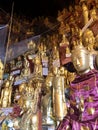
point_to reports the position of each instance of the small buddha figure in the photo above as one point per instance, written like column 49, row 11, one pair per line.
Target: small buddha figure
column 31, row 117
column 22, row 87
column 28, row 95
column 85, row 13
column 47, row 115
column 88, row 39
column 89, row 43
column 6, row 94
column 37, row 66
column 93, row 14
column 59, row 103
column 56, row 56
column 67, row 51
column 55, row 53
column 64, row 41
column 62, row 28
column 26, row 70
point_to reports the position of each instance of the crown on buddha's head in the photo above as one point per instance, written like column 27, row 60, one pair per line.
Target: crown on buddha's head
column 79, row 48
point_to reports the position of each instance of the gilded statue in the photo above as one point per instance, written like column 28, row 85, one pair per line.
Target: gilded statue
column 37, row 66
column 85, row 13
column 64, row 41
column 28, row 95
column 47, row 115
column 59, row 103
column 30, row 118
column 22, row 87
column 82, row 112
column 55, row 52
column 6, row 94
column 89, row 43
column 84, row 63
column 26, row 67
column 93, row 14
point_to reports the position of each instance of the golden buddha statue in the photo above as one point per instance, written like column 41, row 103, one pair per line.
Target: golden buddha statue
column 6, row 94
column 93, row 14
column 55, row 53
column 64, row 41
column 88, row 39
column 26, row 70
column 30, row 118
column 59, row 103
column 28, row 95
column 85, row 13
column 37, row 66
column 47, row 115
column 89, row 42
column 22, row 87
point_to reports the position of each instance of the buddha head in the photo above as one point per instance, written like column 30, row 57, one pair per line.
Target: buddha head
column 88, row 38
column 7, row 84
column 81, row 59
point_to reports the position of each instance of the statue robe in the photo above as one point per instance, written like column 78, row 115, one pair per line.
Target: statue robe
column 83, row 109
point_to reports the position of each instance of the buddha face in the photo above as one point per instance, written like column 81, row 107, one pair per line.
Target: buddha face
column 81, row 60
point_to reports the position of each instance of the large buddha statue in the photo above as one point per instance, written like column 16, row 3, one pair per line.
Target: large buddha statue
column 83, row 110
